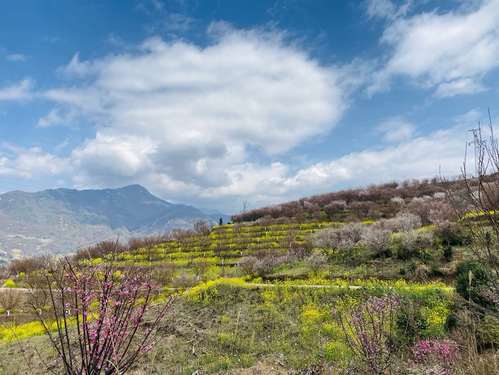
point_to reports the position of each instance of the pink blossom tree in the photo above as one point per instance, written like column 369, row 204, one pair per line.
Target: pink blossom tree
column 369, row 331
column 105, row 319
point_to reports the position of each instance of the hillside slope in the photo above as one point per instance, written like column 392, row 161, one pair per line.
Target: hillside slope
column 373, row 202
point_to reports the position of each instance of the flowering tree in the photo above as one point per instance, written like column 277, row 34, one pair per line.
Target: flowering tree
column 369, row 331
column 442, row 351
column 100, row 316
column 436, row 356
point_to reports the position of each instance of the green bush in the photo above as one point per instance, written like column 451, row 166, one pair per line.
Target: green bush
column 488, row 331
column 337, row 351
column 472, row 279
column 448, row 252
column 411, row 244
column 451, row 234
column 9, row 283
column 451, row 322
column 410, row 323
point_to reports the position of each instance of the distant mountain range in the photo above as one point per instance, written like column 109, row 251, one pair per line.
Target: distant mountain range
column 62, row 220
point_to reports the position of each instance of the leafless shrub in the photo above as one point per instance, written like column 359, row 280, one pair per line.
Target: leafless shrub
column 421, row 273
column 375, row 237
column 100, row 249
column 38, row 296
column 339, row 238
column 376, row 240
column 325, row 238
column 247, row 264
column 410, row 243
column 440, row 195
column 480, row 192
column 146, row 242
column 289, row 239
column 163, row 274
column 30, row 264
column 265, row 220
column 337, row 205
column 361, row 208
column 421, row 206
column 398, row 200
column 402, row 222
column 300, row 250
column 316, row 262
column 11, row 299
column 264, row 267
column 263, row 253
column 442, row 212
column 471, row 361
column 183, row 281
column 202, row 227
column 369, row 331
column 200, row 267
column 282, row 220
column 179, row 234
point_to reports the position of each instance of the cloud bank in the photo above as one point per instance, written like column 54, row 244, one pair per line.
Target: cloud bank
column 192, row 119
column 448, row 52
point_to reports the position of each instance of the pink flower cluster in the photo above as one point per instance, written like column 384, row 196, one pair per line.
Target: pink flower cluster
column 432, row 350
column 109, row 312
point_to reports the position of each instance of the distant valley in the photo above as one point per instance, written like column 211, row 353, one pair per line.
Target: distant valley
column 62, row 220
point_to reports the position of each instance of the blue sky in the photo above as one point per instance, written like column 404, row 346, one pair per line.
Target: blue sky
column 218, row 102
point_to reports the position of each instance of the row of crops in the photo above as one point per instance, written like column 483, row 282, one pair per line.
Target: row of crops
column 224, row 245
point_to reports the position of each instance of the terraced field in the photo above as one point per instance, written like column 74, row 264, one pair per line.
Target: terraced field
column 223, row 247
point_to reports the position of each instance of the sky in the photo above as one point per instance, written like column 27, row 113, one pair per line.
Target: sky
column 219, row 102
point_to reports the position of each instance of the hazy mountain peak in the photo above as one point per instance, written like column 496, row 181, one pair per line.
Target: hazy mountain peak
column 61, row 220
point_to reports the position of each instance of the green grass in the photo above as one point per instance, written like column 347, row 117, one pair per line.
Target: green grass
column 233, row 323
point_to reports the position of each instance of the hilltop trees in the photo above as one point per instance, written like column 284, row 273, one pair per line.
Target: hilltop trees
column 377, row 201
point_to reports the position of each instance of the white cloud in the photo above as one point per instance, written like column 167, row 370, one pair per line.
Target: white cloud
column 52, row 118
column 15, row 57
column 387, row 9
column 441, row 151
column 450, row 52
column 459, row 87
column 426, row 156
column 55, row 117
column 187, row 118
column 251, row 179
column 111, row 159
column 29, row 162
column 396, row 129
column 380, row 8
column 18, row 91
column 76, row 67
column 177, row 22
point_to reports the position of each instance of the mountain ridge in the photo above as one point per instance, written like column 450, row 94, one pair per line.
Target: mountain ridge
column 62, row 220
